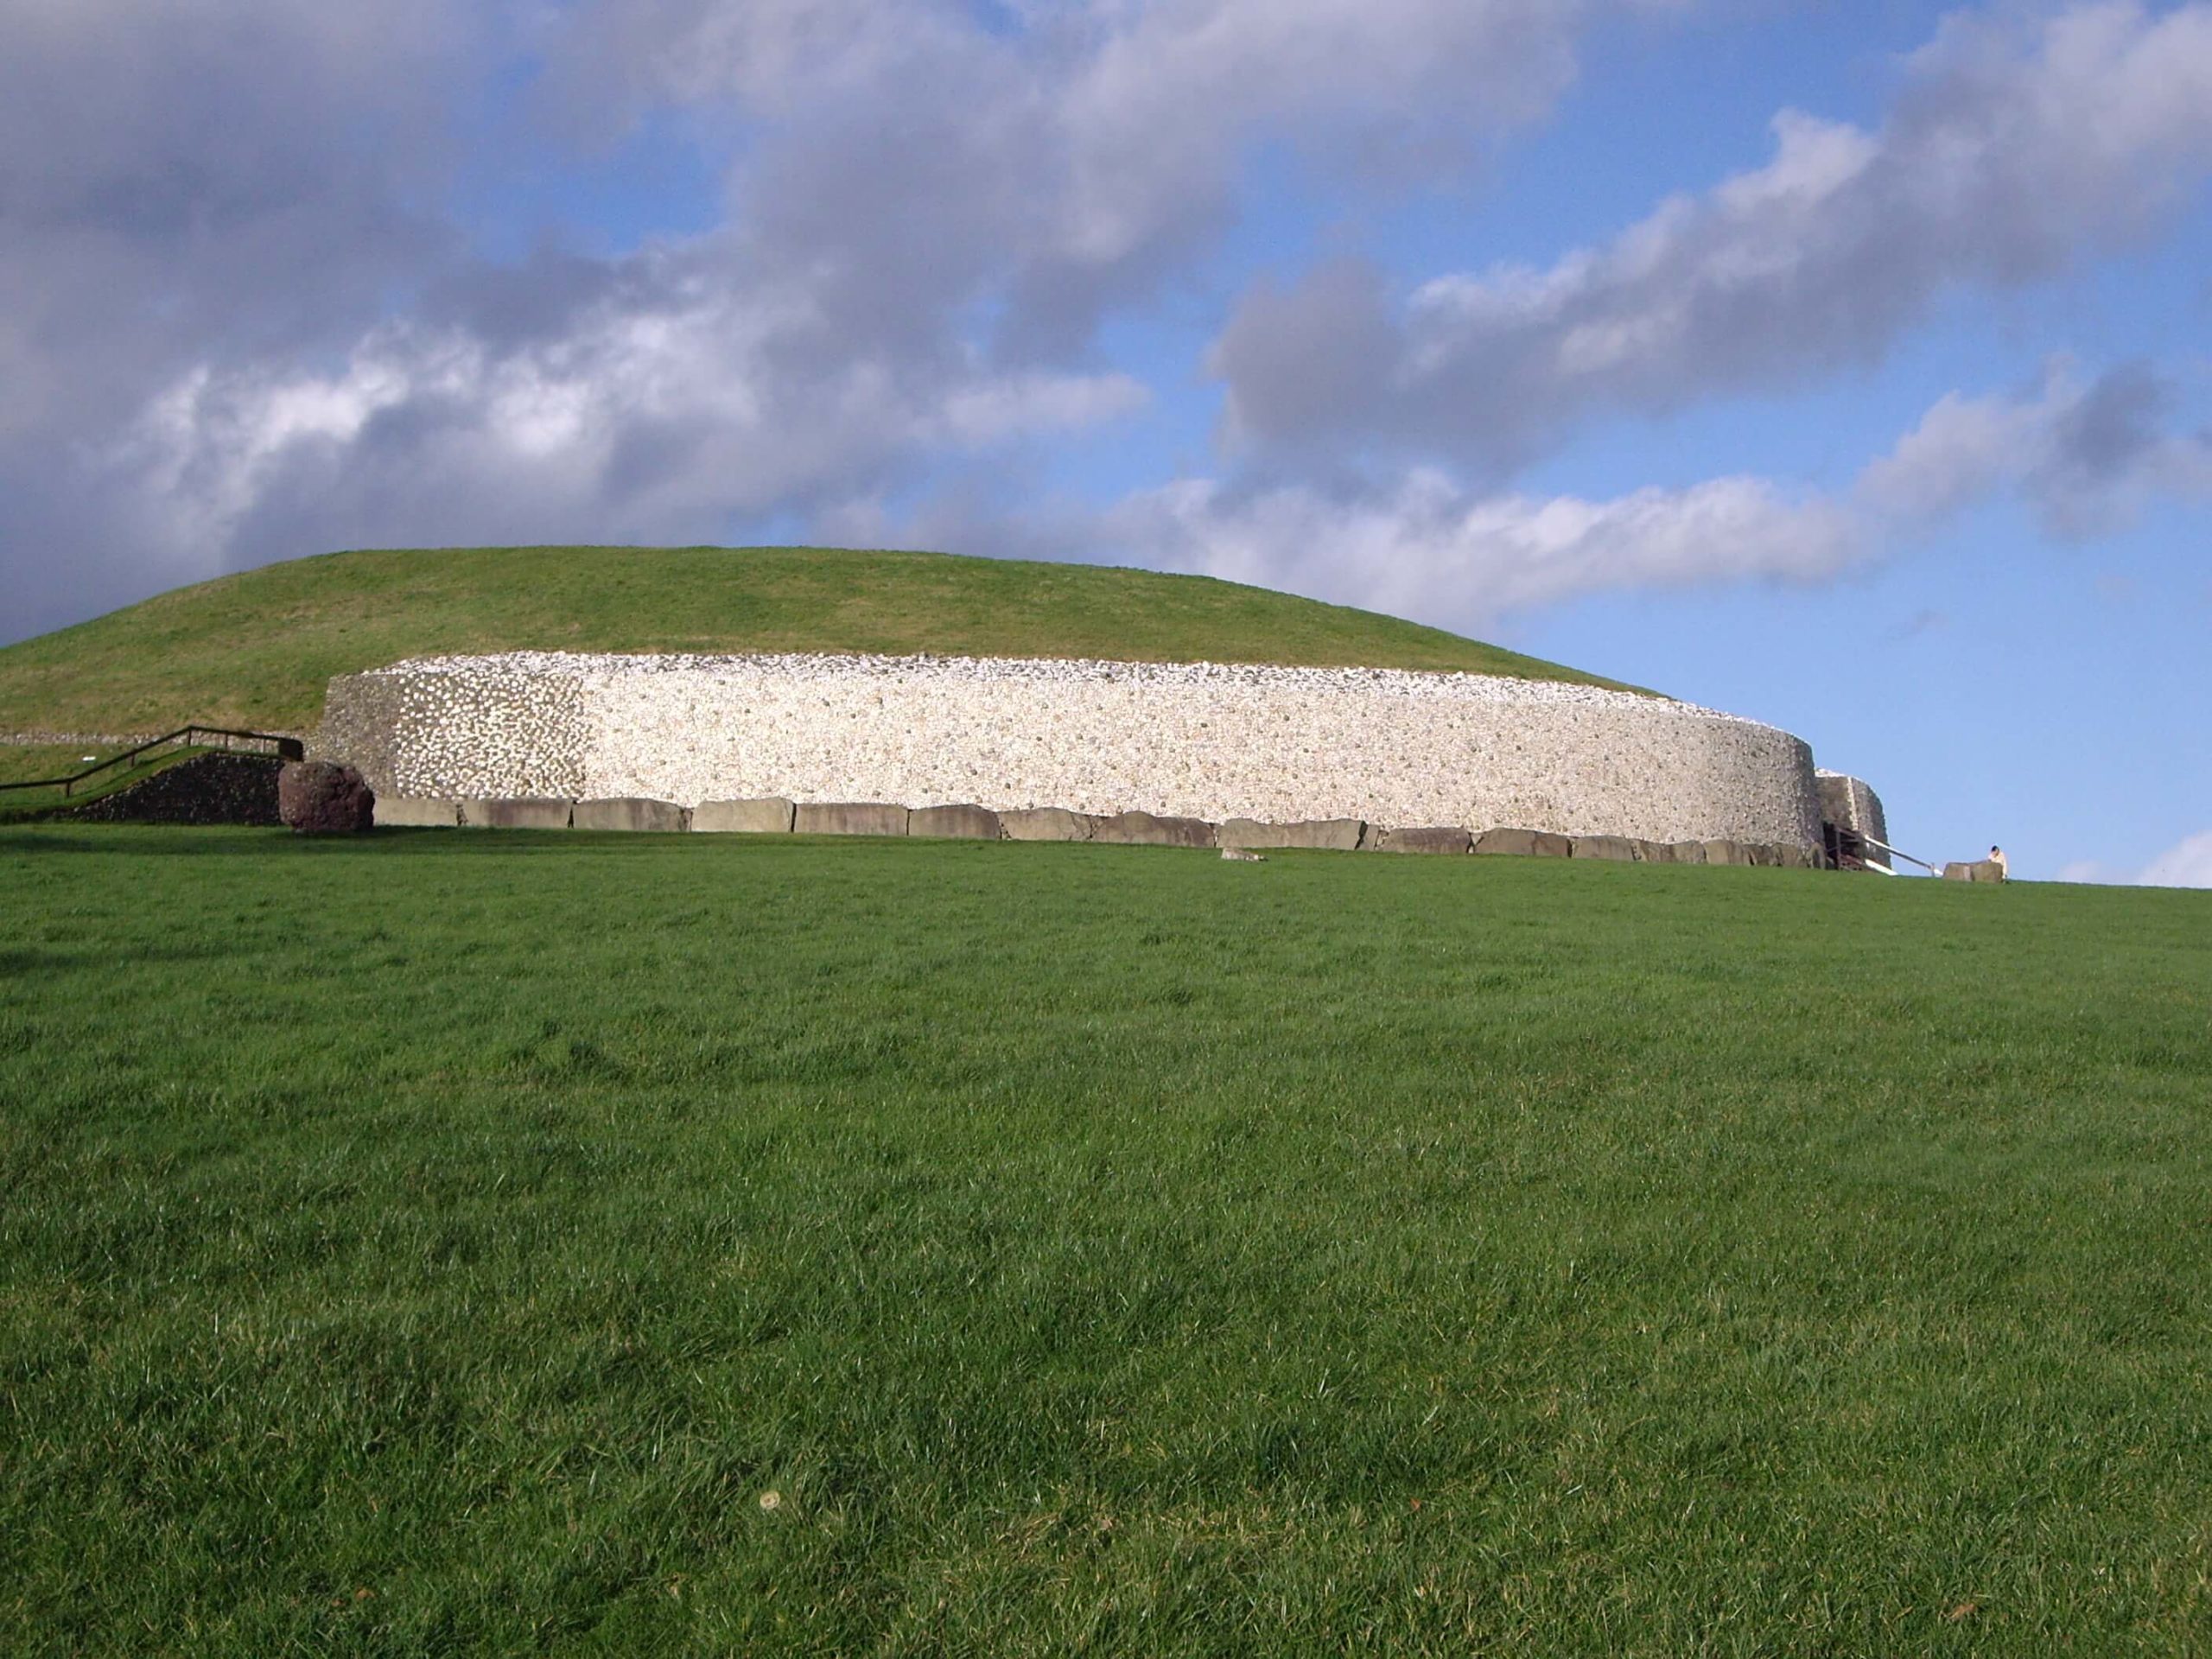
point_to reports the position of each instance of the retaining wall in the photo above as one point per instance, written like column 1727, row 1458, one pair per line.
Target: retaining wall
column 1850, row 804
column 1202, row 741
column 207, row 789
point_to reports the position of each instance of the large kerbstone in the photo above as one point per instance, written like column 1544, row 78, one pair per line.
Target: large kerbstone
column 1687, row 852
column 1147, row 829
column 851, row 818
column 1790, row 856
column 770, row 816
column 1981, row 869
column 1045, row 823
column 1655, row 852
column 415, row 812
column 1619, row 849
column 630, row 812
column 954, row 823
column 534, row 813
column 1726, row 852
column 1322, row 835
column 1523, row 843
column 321, row 797
column 1425, row 838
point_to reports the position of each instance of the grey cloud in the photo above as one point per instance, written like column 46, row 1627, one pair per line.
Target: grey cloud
column 907, row 154
column 237, row 321
column 660, row 411
column 188, row 184
column 2109, row 428
column 2014, row 147
column 2085, row 455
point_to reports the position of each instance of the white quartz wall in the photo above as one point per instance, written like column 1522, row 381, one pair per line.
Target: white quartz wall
column 1204, row 741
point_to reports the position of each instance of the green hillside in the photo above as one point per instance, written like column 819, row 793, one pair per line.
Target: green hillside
column 255, row 649
column 444, row 1243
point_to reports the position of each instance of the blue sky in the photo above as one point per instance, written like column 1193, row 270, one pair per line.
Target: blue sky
column 1845, row 366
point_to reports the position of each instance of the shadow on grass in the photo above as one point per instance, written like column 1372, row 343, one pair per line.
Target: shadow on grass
column 202, row 840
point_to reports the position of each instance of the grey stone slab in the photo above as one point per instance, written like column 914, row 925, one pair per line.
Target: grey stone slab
column 851, row 818
column 1320, row 834
column 1523, row 843
column 955, row 822
column 415, row 812
column 1045, row 823
column 771, row 816
column 1619, row 849
column 1979, row 870
column 1426, row 838
column 1765, row 855
column 1687, row 852
column 1655, row 852
column 630, row 812
column 1726, row 852
column 530, row 813
column 1791, row 856
column 1147, row 829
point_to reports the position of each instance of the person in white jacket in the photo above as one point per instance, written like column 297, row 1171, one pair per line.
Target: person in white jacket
column 2004, row 869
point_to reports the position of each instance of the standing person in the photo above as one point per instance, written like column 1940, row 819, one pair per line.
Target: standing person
column 2004, row 868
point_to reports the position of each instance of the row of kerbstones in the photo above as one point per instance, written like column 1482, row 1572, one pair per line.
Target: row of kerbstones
column 1216, row 742
column 781, row 817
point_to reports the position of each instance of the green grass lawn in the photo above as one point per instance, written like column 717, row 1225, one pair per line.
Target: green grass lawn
column 22, row 762
column 254, row 650
column 456, row 1241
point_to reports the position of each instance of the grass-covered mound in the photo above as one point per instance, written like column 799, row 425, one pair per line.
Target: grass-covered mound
column 455, row 1242
column 255, row 649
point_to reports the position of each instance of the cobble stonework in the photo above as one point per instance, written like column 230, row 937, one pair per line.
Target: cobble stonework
column 1204, row 741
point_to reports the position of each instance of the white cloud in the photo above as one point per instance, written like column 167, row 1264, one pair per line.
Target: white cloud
column 2187, row 863
column 656, row 414
column 230, row 273
column 2020, row 140
column 1423, row 546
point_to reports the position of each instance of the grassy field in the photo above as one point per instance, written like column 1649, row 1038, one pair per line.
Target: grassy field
column 454, row 1241
column 254, row 650
column 21, row 762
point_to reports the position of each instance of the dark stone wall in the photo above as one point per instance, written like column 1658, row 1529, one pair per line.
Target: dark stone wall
column 206, row 789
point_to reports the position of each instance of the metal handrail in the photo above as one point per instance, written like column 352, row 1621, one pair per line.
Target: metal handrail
column 1894, row 853
column 287, row 748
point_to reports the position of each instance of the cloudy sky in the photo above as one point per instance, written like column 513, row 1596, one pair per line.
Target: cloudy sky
column 1843, row 363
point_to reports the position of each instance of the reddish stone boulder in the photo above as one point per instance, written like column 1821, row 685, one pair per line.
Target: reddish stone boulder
column 317, row 797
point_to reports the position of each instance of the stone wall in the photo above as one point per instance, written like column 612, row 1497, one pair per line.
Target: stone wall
column 1850, row 804
column 207, row 789
column 1199, row 740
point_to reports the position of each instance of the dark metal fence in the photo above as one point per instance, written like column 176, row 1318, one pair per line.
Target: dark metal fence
column 187, row 737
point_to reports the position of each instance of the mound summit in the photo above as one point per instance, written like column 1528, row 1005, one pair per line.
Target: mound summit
column 256, row 649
